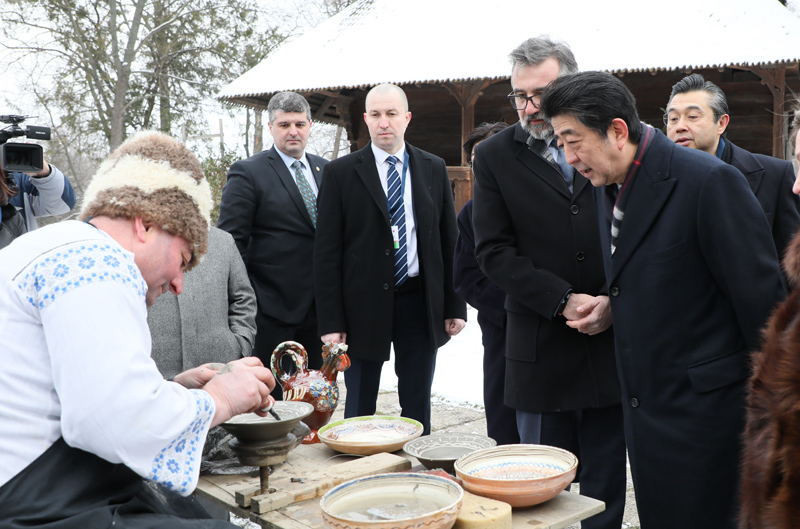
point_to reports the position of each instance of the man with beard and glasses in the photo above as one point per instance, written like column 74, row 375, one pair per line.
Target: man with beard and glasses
column 537, row 238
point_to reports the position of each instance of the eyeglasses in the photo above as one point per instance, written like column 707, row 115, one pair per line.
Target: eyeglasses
column 519, row 101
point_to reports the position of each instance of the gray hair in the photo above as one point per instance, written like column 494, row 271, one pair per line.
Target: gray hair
column 288, row 102
column 536, row 50
column 695, row 82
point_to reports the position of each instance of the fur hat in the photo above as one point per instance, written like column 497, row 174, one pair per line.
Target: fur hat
column 154, row 176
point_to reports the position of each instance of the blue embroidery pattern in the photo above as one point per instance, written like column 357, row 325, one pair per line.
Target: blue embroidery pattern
column 69, row 267
column 176, row 465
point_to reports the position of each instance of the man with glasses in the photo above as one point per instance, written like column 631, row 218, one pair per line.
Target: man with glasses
column 537, row 238
column 697, row 117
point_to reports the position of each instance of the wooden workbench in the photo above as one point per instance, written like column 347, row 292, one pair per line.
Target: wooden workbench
column 311, row 470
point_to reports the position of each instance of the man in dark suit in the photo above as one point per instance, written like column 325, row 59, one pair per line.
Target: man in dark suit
column 697, row 117
column 537, row 239
column 472, row 284
column 383, row 260
column 692, row 275
column 269, row 206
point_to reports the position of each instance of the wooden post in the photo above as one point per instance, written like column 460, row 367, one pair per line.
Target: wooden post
column 775, row 80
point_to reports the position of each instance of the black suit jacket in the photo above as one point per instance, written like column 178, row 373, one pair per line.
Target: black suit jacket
column 693, row 279
column 354, row 256
column 264, row 211
column 771, row 180
column 535, row 241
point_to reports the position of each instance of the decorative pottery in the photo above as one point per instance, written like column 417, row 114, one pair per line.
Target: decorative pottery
column 370, row 435
column 441, row 449
column 251, row 428
column 393, row 501
column 318, row 388
column 520, row 475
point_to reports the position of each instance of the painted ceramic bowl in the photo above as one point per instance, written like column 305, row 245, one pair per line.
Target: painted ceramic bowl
column 520, row 475
column 369, row 435
column 441, row 449
column 393, row 501
column 250, row 428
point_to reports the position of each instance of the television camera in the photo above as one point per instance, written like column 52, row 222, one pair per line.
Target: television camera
column 25, row 157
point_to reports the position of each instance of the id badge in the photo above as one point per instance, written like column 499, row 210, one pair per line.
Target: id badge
column 396, row 237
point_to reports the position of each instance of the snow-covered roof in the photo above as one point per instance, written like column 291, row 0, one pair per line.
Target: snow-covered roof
column 412, row 41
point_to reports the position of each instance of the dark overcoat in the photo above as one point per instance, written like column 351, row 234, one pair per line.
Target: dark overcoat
column 693, row 280
column 354, row 256
column 263, row 209
column 535, row 240
column 771, row 180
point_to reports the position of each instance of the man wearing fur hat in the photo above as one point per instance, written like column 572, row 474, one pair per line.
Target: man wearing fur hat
column 92, row 435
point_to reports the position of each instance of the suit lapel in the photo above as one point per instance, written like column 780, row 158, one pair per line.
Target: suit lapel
column 537, row 165
column 651, row 188
column 316, row 169
column 368, row 172
column 288, row 182
column 421, row 177
column 749, row 166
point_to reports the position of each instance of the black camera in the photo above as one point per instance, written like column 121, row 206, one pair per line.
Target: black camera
column 25, row 157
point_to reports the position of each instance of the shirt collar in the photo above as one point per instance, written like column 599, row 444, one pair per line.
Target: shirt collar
column 288, row 160
column 720, row 147
column 381, row 155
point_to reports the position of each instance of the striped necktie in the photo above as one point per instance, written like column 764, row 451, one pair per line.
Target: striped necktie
column 307, row 193
column 394, row 195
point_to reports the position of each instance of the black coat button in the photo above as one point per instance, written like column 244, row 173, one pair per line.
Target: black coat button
column 581, row 256
column 386, row 286
column 574, row 209
column 634, row 402
column 614, row 291
column 387, row 252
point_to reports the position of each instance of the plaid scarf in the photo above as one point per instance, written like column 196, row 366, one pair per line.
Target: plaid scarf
column 624, row 191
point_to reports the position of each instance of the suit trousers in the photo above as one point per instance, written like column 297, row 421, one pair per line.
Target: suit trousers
column 501, row 421
column 414, row 364
column 600, row 437
column 270, row 333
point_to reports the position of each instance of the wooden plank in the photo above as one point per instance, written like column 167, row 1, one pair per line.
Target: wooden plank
column 563, row 510
column 316, row 484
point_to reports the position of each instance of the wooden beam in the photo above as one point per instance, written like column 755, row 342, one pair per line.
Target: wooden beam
column 775, row 80
column 323, row 108
column 467, row 95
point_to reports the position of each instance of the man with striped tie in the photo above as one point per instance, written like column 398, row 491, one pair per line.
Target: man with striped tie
column 383, row 260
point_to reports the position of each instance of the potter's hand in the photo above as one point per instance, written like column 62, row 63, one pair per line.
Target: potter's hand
column 453, row 326
column 241, row 386
column 335, row 337
column 197, row 377
column 593, row 317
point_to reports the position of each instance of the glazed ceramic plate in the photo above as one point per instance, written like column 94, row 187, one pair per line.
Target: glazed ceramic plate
column 520, row 475
column 370, row 435
column 393, row 501
column 250, row 428
column 441, row 449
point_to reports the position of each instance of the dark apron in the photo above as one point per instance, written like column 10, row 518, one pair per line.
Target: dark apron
column 67, row 488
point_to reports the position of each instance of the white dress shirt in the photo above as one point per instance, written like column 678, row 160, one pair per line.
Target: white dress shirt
column 411, row 227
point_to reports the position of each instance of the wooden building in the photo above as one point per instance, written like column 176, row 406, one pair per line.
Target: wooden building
column 452, row 62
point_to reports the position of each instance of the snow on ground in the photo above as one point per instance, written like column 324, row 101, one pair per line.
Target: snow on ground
column 459, row 367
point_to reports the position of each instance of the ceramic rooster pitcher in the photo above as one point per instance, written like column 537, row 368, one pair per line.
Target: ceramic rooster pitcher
column 318, row 388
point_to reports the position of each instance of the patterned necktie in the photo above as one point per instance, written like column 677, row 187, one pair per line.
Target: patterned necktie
column 306, row 191
column 394, row 195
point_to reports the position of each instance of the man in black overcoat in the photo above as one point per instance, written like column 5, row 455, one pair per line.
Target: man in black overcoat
column 692, row 275
column 537, row 238
column 383, row 260
column 697, row 117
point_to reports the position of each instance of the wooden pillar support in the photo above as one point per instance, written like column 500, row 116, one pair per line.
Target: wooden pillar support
column 775, row 80
column 467, row 95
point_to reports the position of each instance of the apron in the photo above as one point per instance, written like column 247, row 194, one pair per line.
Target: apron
column 68, row 488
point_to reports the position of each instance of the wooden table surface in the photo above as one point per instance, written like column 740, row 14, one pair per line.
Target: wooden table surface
column 311, row 470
